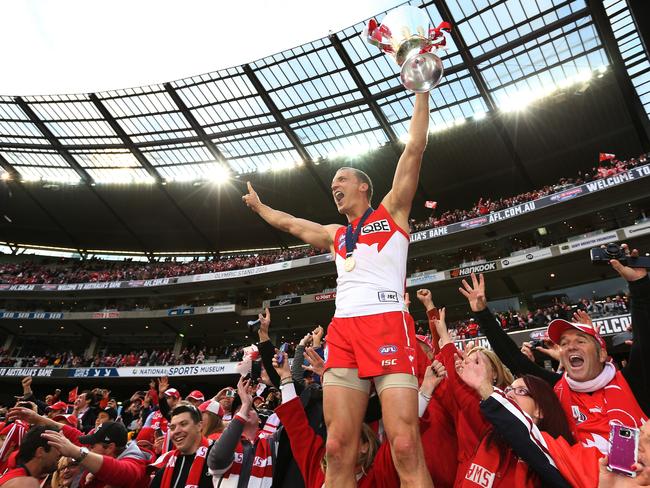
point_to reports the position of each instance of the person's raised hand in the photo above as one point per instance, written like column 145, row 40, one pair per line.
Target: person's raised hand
column 27, row 415
column 441, row 326
column 251, row 199
column 626, row 272
column 265, row 323
column 582, row 317
column 475, row 371
column 163, row 385
column 550, row 349
column 243, row 389
column 425, row 298
column 433, row 376
column 27, row 386
column 316, row 364
column 317, row 336
column 61, row 443
column 283, row 370
column 475, row 293
column 306, row 341
column 527, row 350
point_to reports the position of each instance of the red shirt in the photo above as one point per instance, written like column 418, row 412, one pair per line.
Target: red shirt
column 308, row 449
column 13, row 474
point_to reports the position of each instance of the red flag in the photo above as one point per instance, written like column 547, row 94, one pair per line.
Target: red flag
column 72, row 396
column 430, row 204
column 605, row 157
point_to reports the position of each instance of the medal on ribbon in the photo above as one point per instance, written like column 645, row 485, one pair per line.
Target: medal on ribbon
column 351, row 238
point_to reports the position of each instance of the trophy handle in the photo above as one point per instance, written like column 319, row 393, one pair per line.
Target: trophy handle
column 437, row 36
column 375, row 34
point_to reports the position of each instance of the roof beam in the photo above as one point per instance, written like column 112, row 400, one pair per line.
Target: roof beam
column 363, row 88
column 284, row 125
column 485, row 93
column 83, row 174
column 144, row 162
column 630, row 97
column 189, row 116
column 56, row 144
column 15, row 178
column 126, row 140
column 521, row 40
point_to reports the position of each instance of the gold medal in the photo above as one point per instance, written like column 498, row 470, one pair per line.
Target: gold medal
column 349, row 264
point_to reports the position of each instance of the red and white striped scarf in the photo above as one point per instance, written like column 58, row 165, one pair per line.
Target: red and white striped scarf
column 14, row 434
column 261, row 471
column 196, row 470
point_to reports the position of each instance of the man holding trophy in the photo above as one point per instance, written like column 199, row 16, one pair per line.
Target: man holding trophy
column 372, row 336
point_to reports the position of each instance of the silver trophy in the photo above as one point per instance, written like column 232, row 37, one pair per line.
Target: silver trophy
column 407, row 35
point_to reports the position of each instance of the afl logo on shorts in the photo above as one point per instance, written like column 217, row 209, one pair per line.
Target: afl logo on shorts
column 388, row 349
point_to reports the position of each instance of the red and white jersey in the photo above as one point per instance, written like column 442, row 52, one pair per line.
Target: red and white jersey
column 377, row 282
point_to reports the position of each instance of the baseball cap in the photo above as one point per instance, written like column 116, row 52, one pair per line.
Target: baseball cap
column 558, row 327
column 112, row 413
column 172, row 392
column 58, row 406
column 107, row 432
column 196, row 395
column 212, row 407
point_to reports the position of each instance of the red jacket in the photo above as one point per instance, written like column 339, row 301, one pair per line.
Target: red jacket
column 308, row 449
column 478, row 463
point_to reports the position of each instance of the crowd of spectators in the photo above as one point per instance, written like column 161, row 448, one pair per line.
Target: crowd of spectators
column 514, row 320
column 485, row 206
column 484, row 413
column 144, row 357
column 96, row 270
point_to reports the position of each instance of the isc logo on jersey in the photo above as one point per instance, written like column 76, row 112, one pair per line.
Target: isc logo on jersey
column 378, row 226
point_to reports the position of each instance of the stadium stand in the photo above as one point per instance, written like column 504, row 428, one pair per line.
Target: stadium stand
column 133, row 279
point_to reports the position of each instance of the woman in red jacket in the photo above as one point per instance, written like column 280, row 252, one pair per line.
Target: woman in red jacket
column 495, row 462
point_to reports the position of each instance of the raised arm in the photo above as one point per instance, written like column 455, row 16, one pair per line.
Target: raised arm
column 317, row 235
column 399, row 199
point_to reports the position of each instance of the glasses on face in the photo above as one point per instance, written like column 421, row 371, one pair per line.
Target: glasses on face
column 70, row 465
column 519, row 390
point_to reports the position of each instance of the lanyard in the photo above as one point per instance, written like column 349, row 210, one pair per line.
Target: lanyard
column 352, row 238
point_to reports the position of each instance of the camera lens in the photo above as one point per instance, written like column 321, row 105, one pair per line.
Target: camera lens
column 613, row 250
column 625, row 433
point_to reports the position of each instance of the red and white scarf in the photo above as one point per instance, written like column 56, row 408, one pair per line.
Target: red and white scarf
column 261, row 470
column 196, row 470
column 159, row 422
column 591, row 410
column 14, row 434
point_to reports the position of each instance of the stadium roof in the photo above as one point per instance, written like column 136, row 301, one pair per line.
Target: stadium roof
column 336, row 97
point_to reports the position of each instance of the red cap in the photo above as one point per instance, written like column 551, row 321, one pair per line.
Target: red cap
column 58, row 406
column 196, row 395
column 558, row 327
column 71, row 420
column 147, row 434
column 212, row 407
column 172, row 392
